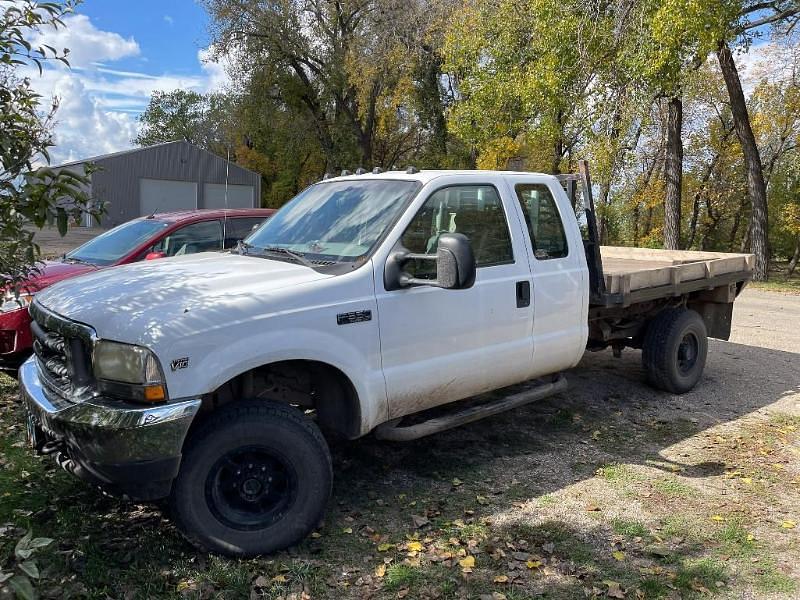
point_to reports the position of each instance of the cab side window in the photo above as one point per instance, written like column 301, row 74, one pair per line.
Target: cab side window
column 474, row 210
column 205, row 236
column 543, row 221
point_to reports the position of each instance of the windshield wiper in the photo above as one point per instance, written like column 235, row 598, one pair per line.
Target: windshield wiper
column 78, row 260
column 295, row 255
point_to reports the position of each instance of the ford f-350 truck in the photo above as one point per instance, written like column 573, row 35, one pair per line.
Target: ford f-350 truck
column 363, row 304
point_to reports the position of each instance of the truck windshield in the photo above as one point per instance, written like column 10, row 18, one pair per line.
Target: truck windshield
column 337, row 221
column 109, row 247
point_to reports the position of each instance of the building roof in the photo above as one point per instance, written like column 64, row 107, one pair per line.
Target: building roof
column 102, row 157
column 72, row 163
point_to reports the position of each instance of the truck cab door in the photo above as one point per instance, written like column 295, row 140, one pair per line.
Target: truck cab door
column 560, row 278
column 441, row 345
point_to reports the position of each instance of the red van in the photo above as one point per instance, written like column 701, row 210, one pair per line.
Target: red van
column 146, row 238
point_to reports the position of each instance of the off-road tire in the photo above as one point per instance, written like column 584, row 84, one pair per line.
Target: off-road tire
column 269, row 428
column 670, row 336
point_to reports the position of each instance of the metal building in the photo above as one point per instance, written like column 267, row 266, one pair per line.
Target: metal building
column 166, row 177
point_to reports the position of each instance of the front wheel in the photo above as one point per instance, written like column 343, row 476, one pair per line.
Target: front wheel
column 254, row 478
column 674, row 350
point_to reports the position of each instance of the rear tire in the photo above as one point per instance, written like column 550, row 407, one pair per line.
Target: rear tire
column 675, row 349
column 255, row 478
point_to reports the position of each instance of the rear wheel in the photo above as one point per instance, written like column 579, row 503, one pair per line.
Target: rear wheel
column 674, row 350
column 255, row 478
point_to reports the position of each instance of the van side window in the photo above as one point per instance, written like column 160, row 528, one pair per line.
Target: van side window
column 474, row 210
column 543, row 221
column 204, row 236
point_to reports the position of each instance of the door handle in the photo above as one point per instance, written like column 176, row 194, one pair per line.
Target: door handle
column 523, row 294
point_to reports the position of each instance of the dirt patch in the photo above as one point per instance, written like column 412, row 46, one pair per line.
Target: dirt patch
column 611, row 489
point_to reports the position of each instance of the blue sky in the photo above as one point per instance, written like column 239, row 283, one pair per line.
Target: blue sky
column 120, row 53
column 169, row 33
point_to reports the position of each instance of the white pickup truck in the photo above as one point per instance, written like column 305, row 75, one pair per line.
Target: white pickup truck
column 366, row 301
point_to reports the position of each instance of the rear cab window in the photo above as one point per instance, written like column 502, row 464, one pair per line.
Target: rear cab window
column 543, row 221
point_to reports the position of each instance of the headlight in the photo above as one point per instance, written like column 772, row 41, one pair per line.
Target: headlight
column 10, row 302
column 117, row 363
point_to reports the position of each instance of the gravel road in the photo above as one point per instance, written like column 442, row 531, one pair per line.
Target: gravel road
column 767, row 319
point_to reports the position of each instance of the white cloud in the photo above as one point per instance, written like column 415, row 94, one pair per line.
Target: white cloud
column 86, row 43
column 217, row 70
column 98, row 104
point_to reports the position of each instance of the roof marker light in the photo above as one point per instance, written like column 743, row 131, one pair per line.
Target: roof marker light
column 360, row 171
column 345, row 173
column 412, row 169
column 327, row 176
column 377, row 171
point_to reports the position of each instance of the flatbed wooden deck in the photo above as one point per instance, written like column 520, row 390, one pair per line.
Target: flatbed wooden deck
column 630, row 270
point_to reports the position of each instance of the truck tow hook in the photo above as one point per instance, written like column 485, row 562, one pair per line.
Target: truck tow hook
column 51, row 447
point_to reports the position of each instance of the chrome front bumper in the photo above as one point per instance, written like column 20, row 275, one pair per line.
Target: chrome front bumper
column 135, row 449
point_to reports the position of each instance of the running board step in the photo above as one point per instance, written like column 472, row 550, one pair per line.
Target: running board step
column 392, row 431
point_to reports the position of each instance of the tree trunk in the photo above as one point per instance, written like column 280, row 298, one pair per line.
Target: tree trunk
column 795, row 257
column 756, row 189
column 673, row 175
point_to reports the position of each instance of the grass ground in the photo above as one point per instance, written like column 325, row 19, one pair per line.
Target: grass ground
column 778, row 280
column 558, row 500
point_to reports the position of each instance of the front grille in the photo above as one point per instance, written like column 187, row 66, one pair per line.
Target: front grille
column 63, row 353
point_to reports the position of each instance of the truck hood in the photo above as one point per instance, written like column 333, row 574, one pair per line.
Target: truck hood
column 125, row 302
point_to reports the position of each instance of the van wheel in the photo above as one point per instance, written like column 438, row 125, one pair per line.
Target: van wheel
column 674, row 350
column 254, row 478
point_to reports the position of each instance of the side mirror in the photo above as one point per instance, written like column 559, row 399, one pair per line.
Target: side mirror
column 154, row 255
column 455, row 265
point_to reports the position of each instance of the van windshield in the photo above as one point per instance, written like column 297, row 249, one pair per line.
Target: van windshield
column 109, row 247
column 337, row 221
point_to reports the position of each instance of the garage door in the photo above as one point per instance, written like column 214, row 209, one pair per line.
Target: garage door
column 239, row 196
column 163, row 195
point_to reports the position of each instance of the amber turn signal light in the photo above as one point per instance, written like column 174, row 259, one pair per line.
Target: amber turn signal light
column 154, row 393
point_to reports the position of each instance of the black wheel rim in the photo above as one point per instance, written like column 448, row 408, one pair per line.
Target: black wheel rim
column 251, row 488
column 688, row 351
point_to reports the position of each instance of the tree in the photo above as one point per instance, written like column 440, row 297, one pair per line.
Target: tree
column 29, row 193
column 673, row 172
column 349, row 67
column 201, row 119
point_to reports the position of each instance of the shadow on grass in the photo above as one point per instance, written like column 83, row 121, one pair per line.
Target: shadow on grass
column 607, row 420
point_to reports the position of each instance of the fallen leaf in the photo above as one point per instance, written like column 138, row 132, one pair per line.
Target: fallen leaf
column 788, row 524
column 750, row 537
column 347, row 530
column 279, row 579
column 316, row 535
column 385, row 547
column 420, row 521
column 467, row 563
column 717, row 518
column 592, row 508
column 618, row 555
column 415, row 547
column 482, row 500
column 533, row 564
column 614, row 589
column 747, row 480
column 501, row 579
column 457, row 482
column 380, row 570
